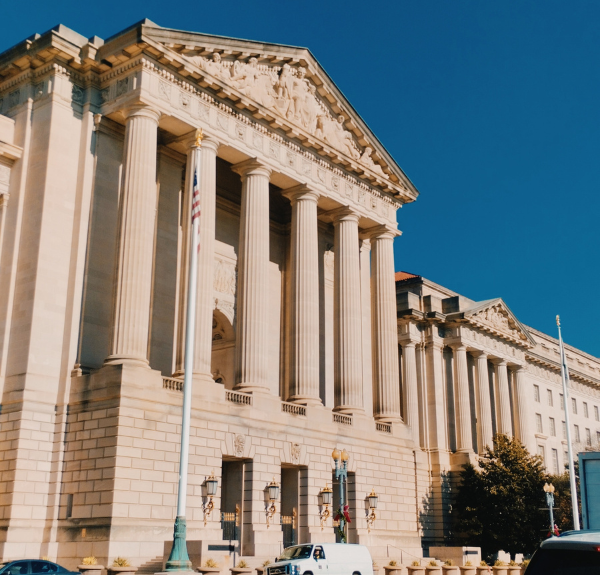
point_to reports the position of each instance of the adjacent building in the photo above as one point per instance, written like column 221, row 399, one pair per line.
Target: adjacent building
column 304, row 340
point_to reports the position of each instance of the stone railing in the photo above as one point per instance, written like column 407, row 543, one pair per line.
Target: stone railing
column 172, row 383
column 238, row 397
column 293, row 408
column 383, row 427
column 343, row 419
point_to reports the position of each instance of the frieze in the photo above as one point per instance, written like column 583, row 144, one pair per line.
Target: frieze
column 497, row 319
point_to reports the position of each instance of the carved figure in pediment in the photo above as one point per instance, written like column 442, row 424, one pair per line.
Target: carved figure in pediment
column 298, row 95
column 310, row 109
column 333, row 132
column 215, row 67
column 368, row 161
column 251, row 81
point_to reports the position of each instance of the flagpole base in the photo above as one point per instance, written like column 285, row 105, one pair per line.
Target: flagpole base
column 179, row 559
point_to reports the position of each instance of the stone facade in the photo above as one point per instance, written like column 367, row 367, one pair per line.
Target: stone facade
column 302, row 342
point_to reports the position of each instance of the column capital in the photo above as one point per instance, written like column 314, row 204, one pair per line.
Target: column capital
column 480, row 354
column 517, row 368
column 252, row 167
column 408, row 343
column 381, row 232
column 301, row 192
column 345, row 213
column 458, row 346
column 207, row 141
column 499, row 361
column 142, row 111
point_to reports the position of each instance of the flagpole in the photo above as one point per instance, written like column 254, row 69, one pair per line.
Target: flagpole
column 179, row 559
column 564, row 371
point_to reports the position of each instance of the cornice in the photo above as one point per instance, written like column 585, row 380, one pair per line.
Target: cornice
column 555, row 366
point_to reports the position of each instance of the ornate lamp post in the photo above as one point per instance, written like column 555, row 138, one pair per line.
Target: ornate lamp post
column 549, row 489
column 327, row 496
column 273, row 489
column 373, row 500
column 211, row 490
column 341, row 473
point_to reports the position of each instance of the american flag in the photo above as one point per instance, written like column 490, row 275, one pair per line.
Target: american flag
column 196, row 202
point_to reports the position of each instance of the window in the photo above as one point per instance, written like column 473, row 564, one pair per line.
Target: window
column 562, row 401
column 43, row 567
column 536, row 393
column 574, row 401
column 585, row 410
column 19, row 568
column 577, row 436
column 552, row 427
column 542, row 452
column 598, row 436
column 555, row 461
column 550, row 398
column 565, row 458
column 588, row 437
column 538, row 423
column 596, row 413
column 564, row 426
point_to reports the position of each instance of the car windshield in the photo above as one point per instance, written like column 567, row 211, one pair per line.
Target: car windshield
column 300, row 552
column 564, row 562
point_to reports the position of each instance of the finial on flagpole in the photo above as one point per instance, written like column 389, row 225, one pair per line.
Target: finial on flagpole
column 199, row 136
column 558, row 321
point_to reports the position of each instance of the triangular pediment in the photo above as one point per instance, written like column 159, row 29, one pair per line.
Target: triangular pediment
column 287, row 89
column 495, row 317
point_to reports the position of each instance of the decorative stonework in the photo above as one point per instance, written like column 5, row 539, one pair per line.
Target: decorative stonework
column 496, row 319
column 225, row 277
column 239, row 444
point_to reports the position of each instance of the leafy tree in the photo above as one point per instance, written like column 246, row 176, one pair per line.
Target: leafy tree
column 563, row 510
column 501, row 503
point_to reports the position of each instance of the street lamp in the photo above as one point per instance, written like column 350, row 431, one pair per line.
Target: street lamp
column 211, row 490
column 341, row 473
column 373, row 500
column 273, row 489
column 327, row 496
column 549, row 489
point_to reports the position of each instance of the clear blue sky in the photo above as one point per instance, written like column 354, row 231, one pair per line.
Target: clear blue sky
column 491, row 108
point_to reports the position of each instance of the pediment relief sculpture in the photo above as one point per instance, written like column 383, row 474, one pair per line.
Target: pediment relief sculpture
column 286, row 91
column 497, row 318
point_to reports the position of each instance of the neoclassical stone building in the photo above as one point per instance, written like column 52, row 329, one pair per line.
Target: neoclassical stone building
column 304, row 341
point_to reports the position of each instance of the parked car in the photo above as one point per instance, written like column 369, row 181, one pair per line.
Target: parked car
column 330, row 558
column 33, row 567
column 573, row 553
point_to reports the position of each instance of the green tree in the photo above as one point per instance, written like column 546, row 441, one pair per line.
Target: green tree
column 501, row 503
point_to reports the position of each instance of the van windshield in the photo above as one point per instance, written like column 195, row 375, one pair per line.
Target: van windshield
column 300, row 552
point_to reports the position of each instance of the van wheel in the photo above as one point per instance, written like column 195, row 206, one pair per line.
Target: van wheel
column 356, row 573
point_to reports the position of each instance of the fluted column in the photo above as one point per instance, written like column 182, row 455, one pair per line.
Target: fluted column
column 304, row 278
column 347, row 324
column 462, row 404
column 410, row 388
column 384, row 327
column 522, row 411
column 207, row 183
column 252, row 361
column 484, row 405
column 131, row 317
column 505, row 425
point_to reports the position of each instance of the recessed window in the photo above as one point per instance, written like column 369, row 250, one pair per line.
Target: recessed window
column 564, row 426
column 585, row 410
column 596, row 413
column 550, row 398
column 536, row 393
column 577, row 436
column 555, row 460
column 562, row 401
column 574, row 402
column 588, row 437
column 552, row 427
column 598, row 436
column 538, row 423
column 541, row 451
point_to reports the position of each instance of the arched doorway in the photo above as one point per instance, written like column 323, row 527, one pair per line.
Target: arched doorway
column 223, row 350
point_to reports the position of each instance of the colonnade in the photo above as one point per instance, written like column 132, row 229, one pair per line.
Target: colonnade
column 134, row 276
column 505, row 416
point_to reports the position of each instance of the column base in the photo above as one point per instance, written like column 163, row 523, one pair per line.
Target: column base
column 127, row 360
column 392, row 418
column 305, row 400
column 248, row 387
column 349, row 410
column 179, row 559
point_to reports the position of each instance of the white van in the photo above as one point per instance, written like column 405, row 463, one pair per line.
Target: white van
column 324, row 558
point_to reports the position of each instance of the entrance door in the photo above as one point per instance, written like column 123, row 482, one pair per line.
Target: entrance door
column 232, row 500
column 289, row 505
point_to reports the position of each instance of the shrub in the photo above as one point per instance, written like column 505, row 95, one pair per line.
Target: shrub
column 45, row 558
column 416, row 563
column 449, row 562
column 525, row 563
column 393, row 563
column 512, row 563
column 266, row 562
column 433, row 563
column 242, row 563
column 211, row 563
column 121, row 562
column 499, row 563
column 468, row 564
column 483, row 564
column 91, row 560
